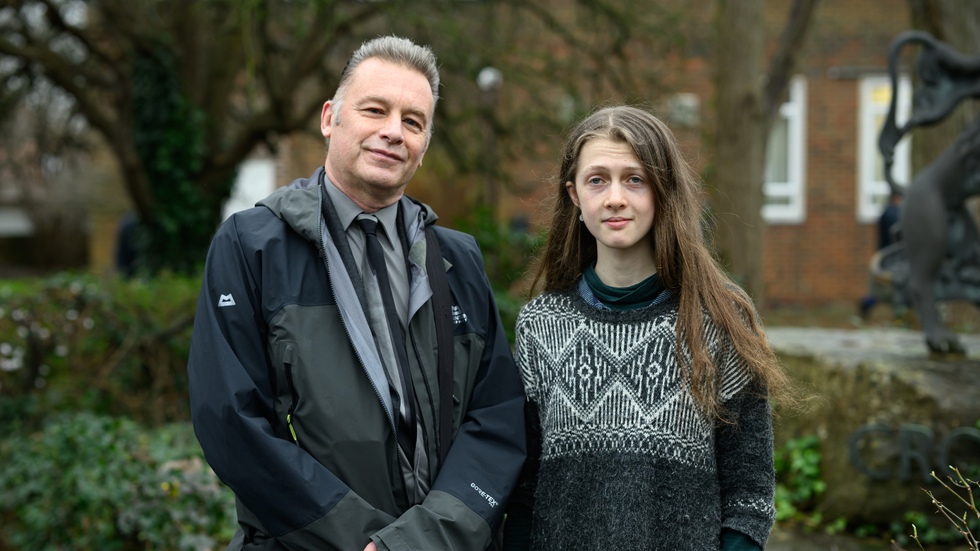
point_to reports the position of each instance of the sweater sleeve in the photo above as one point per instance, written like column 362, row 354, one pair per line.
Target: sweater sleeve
column 746, row 473
column 520, row 513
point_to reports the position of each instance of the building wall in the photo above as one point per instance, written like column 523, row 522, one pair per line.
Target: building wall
column 826, row 258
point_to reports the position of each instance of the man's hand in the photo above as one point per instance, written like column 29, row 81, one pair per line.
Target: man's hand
column 371, row 547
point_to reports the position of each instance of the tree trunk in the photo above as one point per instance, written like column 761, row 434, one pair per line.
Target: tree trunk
column 740, row 140
column 956, row 22
column 747, row 100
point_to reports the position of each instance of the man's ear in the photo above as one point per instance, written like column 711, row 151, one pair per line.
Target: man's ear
column 326, row 119
column 570, row 186
column 428, row 140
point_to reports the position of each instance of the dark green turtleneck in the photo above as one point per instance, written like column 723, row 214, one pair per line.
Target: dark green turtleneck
column 633, row 297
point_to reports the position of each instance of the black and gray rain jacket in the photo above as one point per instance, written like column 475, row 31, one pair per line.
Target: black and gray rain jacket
column 281, row 345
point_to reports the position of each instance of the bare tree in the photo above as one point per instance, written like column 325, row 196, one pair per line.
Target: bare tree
column 183, row 90
column 747, row 102
column 41, row 145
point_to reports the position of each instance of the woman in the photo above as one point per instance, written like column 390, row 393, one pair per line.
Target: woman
column 647, row 372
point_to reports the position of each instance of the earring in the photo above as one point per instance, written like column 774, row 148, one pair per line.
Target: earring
column 580, row 219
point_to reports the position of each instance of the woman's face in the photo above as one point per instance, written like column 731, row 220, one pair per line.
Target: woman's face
column 616, row 197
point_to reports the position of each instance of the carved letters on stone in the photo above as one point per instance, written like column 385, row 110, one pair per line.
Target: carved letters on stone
column 916, row 445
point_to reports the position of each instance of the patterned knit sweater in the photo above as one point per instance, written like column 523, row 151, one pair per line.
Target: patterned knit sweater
column 619, row 456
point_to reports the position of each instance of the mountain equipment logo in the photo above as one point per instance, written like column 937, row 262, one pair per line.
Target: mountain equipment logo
column 458, row 315
column 226, row 300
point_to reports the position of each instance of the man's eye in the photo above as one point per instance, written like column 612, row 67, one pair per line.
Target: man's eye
column 373, row 110
column 413, row 122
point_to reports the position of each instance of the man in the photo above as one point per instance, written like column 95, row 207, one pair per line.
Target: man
column 887, row 226
column 315, row 371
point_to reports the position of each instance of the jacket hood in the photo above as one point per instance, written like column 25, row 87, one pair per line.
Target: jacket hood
column 298, row 205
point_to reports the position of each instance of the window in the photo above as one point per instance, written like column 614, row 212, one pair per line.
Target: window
column 784, row 184
column 14, row 222
column 875, row 94
column 256, row 180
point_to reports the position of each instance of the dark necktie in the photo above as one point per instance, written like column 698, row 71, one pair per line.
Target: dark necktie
column 376, row 256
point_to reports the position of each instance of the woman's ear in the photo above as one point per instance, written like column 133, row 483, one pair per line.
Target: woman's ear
column 570, row 186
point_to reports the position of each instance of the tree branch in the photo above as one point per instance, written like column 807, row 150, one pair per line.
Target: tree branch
column 53, row 15
column 782, row 64
column 315, row 47
column 62, row 74
column 928, row 15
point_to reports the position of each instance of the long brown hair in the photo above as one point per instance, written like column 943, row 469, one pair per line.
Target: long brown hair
column 684, row 263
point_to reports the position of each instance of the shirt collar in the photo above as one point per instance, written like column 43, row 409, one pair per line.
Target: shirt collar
column 347, row 210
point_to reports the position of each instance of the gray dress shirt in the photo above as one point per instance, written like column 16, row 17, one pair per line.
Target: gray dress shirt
column 416, row 471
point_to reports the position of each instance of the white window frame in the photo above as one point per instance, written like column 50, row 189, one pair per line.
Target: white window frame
column 871, row 191
column 792, row 211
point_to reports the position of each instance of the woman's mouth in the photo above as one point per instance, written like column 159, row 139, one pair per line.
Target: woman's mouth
column 616, row 222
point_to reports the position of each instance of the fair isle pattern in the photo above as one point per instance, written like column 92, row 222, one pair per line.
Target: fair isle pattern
column 612, row 383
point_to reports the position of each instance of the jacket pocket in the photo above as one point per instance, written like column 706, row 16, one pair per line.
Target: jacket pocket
column 287, row 364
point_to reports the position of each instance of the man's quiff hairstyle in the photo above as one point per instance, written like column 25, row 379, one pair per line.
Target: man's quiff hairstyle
column 392, row 49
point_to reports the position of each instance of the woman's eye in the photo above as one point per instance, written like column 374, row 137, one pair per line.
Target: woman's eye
column 595, row 180
column 635, row 180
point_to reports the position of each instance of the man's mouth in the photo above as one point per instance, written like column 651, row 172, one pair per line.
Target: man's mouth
column 387, row 154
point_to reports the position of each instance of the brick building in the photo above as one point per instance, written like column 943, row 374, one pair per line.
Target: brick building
column 824, row 186
column 825, row 197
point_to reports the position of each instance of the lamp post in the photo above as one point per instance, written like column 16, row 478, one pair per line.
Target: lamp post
column 489, row 81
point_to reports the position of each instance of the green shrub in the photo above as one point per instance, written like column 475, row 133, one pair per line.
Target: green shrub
column 798, row 482
column 931, row 529
column 507, row 254
column 170, row 133
column 117, row 347
column 798, row 475
column 103, row 483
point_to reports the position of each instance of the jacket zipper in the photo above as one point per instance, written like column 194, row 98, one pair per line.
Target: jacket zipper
column 391, row 422
column 292, row 406
column 428, row 390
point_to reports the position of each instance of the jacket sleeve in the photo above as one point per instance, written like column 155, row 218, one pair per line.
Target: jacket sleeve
column 291, row 496
column 466, row 505
column 744, row 454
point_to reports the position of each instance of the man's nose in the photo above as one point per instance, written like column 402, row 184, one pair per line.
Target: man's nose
column 392, row 129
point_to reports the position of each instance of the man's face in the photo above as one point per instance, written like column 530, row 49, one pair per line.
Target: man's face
column 379, row 134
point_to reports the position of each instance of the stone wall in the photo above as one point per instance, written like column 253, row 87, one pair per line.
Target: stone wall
column 886, row 414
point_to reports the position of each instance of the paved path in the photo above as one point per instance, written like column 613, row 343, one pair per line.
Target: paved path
column 850, row 347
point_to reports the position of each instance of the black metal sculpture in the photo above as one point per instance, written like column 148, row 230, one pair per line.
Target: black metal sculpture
column 938, row 254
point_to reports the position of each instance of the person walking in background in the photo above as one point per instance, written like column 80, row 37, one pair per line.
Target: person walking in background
column 887, row 224
column 647, row 371
column 350, row 379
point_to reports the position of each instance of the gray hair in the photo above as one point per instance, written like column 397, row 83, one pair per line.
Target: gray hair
column 393, row 49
